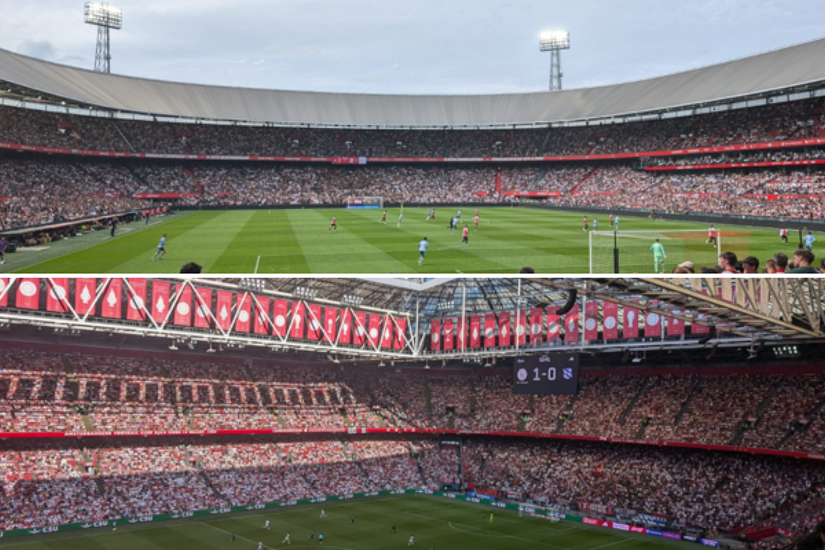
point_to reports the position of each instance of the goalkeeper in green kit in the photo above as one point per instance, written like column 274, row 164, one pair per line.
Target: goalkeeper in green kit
column 659, row 257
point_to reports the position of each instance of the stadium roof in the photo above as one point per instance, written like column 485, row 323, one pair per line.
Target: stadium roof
column 784, row 69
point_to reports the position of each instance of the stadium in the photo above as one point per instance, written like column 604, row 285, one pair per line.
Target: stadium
column 95, row 167
column 570, row 413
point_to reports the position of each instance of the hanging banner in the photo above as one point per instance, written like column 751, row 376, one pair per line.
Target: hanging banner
column 387, row 332
column 435, row 335
column 160, row 300
column 461, row 334
column 675, row 327
column 203, row 308
column 261, row 308
column 631, row 323
column 136, row 300
column 345, row 330
column 4, row 295
column 359, row 337
column 447, row 325
column 243, row 320
column 701, row 329
column 653, row 322
column 279, row 317
column 183, row 307
column 297, row 320
column 553, row 323
column 57, row 292
column 84, row 294
column 490, row 330
column 330, row 316
column 504, row 332
column 571, row 325
column 111, row 303
column 28, row 293
column 475, row 331
column 536, row 323
column 374, row 330
column 223, row 309
column 313, row 322
column 400, row 340
column 611, row 321
column 591, row 321
column 521, row 327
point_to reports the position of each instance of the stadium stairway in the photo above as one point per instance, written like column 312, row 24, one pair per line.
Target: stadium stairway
column 420, row 470
column 696, row 389
column 803, row 429
column 560, row 421
column 130, row 166
column 208, row 483
column 428, row 399
column 760, row 409
column 124, row 137
column 629, row 408
column 640, row 433
column 582, row 182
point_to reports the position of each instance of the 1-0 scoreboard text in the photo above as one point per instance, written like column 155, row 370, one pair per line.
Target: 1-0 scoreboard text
column 546, row 374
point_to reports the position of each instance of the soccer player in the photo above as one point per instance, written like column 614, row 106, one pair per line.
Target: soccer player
column 161, row 249
column 412, row 541
column 286, row 540
column 430, row 214
column 595, row 224
column 610, row 220
column 393, row 528
column 324, row 514
column 659, row 257
column 491, row 518
column 266, row 525
column 312, row 535
column 422, row 251
column 809, row 241
column 333, row 225
column 233, row 537
column 712, row 236
column 400, row 218
column 321, row 539
column 114, row 227
column 616, row 221
column 585, row 224
column 3, row 245
column 453, row 223
column 465, row 235
column 352, row 520
column 260, row 545
column 458, row 216
column 384, row 217
column 475, row 220
column 114, row 527
column 476, row 211
column 783, row 235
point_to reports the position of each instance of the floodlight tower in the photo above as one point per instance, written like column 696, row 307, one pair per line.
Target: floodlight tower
column 554, row 42
column 104, row 17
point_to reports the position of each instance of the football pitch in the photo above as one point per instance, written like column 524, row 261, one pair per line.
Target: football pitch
column 435, row 523
column 299, row 241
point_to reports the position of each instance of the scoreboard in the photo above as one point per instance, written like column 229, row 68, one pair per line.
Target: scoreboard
column 546, row 374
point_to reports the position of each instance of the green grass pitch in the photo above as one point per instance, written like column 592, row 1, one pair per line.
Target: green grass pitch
column 435, row 522
column 298, row 241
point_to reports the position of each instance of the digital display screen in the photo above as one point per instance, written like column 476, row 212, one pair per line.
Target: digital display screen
column 546, row 374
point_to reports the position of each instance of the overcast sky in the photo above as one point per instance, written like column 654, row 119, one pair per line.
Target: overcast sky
column 404, row 46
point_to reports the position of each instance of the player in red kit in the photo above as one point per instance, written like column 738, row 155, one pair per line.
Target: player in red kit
column 475, row 220
column 585, row 224
column 465, row 235
column 333, row 225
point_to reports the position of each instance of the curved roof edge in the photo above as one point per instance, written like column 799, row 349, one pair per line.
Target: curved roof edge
column 780, row 69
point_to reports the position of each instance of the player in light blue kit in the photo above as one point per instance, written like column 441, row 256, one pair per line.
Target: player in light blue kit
column 422, row 249
column 161, row 251
column 400, row 218
column 809, row 241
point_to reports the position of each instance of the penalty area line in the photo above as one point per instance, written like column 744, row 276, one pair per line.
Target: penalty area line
column 257, row 263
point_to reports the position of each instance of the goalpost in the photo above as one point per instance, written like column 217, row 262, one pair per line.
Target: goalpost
column 361, row 203
column 629, row 251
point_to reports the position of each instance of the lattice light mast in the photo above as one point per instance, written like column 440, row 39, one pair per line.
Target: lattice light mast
column 104, row 17
column 554, row 42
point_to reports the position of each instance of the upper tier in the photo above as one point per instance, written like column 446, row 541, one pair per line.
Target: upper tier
column 782, row 69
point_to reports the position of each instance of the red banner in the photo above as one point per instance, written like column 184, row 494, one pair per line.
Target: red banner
column 4, row 292
column 330, row 316
column 475, row 331
column 297, row 321
column 261, row 308
column 136, row 302
column 675, row 327
column 387, row 333
column 243, row 319
column 631, row 322
column 111, row 302
column 653, row 322
column 610, row 321
column 279, row 317
column 203, row 307
column 461, row 334
column 223, row 309
column 345, row 329
column 571, row 325
column 160, row 300
column 359, row 337
column 490, row 330
column 435, row 335
column 400, row 340
column 374, row 330
column 448, row 334
column 314, row 322
column 28, row 293
column 504, row 331
column 84, row 294
column 57, row 294
column 591, row 321
column 521, row 327
column 536, row 315
column 553, row 323
column 701, row 329
column 183, row 308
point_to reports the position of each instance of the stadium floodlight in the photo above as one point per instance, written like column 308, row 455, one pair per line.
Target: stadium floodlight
column 554, row 41
column 104, row 17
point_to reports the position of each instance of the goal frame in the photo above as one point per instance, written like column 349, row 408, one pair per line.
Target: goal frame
column 364, row 202
column 652, row 232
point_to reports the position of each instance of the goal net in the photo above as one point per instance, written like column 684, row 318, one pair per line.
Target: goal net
column 361, row 203
column 631, row 252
